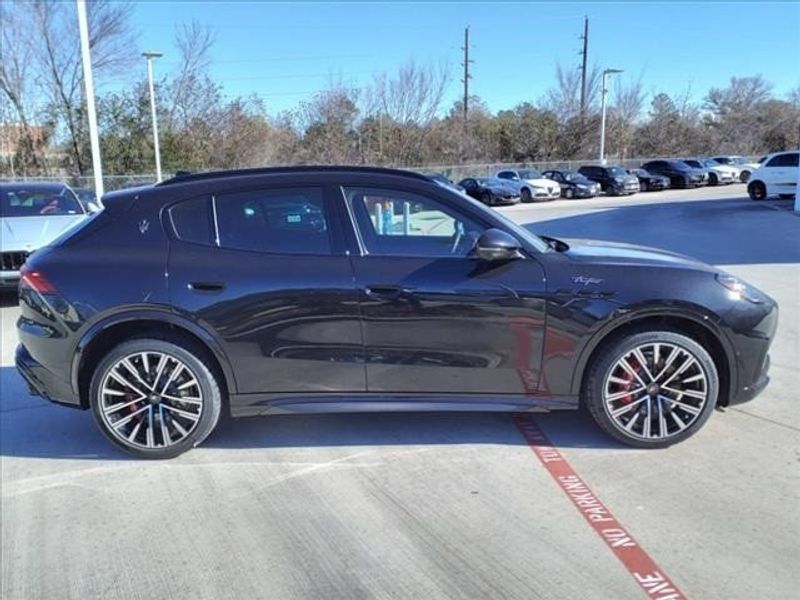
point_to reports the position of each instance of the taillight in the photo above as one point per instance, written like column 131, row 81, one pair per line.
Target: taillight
column 35, row 280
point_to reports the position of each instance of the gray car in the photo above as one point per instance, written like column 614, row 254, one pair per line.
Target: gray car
column 31, row 216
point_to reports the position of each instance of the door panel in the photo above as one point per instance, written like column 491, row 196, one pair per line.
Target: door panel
column 452, row 325
column 288, row 318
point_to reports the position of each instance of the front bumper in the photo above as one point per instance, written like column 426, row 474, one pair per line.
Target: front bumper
column 546, row 194
column 752, row 356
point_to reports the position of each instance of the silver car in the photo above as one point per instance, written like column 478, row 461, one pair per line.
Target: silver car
column 31, row 216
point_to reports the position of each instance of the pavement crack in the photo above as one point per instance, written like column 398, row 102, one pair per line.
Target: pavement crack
column 768, row 420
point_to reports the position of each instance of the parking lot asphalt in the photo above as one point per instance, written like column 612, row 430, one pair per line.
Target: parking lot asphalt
column 428, row 505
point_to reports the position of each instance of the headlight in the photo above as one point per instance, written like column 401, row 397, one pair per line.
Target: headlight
column 739, row 289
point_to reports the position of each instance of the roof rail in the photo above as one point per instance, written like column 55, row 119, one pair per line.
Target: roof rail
column 184, row 176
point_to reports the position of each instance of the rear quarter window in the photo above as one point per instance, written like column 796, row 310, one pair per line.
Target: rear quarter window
column 191, row 220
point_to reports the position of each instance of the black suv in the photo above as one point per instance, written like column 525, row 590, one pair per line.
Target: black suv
column 321, row 289
column 680, row 174
column 613, row 180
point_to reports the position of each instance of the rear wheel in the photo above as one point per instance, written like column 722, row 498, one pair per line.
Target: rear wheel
column 155, row 398
column 652, row 389
column 757, row 190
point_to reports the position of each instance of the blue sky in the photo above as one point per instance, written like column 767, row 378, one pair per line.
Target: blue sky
column 284, row 52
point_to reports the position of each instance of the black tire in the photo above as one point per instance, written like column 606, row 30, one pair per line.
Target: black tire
column 569, row 193
column 605, row 361
column 486, row 198
column 643, row 186
column 744, row 176
column 757, row 190
column 713, row 179
column 525, row 195
column 195, row 359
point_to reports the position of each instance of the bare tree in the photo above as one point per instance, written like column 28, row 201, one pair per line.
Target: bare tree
column 186, row 90
column 406, row 105
column 58, row 59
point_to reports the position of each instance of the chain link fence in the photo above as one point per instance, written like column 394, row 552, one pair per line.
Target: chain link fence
column 454, row 172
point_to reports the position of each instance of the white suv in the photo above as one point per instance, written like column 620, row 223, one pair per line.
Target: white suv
column 777, row 176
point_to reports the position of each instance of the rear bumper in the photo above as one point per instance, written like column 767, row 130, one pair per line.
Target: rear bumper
column 42, row 382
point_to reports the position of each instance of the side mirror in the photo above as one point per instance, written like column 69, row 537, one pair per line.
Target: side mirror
column 497, row 245
column 92, row 208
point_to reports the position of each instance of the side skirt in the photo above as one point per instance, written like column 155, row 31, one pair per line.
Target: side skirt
column 245, row 405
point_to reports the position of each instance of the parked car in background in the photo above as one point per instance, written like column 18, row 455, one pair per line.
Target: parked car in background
column 649, row 182
column 490, row 191
column 778, row 176
column 31, row 216
column 717, row 174
column 573, row 184
column 444, row 180
column 532, row 185
column 441, row 304
column 745, row 166
column 680, row 174
column 613, row 180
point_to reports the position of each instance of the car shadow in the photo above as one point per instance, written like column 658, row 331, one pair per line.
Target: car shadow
column 33, row 428
column 725, row 231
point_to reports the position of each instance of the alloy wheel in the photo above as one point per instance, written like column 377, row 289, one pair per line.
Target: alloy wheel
column 655, row 391
column 150, row 400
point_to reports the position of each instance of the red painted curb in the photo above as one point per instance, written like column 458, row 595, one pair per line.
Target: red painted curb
column 644, row 570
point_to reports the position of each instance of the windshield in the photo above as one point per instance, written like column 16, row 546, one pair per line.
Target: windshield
column 19, row 201
column 572, row 176
column 710, row 163
column 639, row 172
column 693, row 163
column 530, row 174
column 616, row 171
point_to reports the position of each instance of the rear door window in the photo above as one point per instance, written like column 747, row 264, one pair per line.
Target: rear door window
column 275, row 221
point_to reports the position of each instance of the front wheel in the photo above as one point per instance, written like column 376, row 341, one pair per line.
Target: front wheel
column 569, row 194
column 486, row 198
column 713, row 179
column 651, row 389
column 744, row 176
column 525, row 195
column 757, row 190
column 155, row 398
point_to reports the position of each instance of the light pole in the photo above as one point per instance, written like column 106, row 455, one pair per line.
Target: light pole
column 94, row 137
column 150, row 55
column 603, row 92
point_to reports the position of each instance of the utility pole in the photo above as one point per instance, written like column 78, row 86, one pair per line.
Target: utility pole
column 94, row 138
column 584, row 56
column 467, row 75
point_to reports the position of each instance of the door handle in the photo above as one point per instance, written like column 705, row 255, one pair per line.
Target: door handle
column 206, row 286
column 385, row 291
